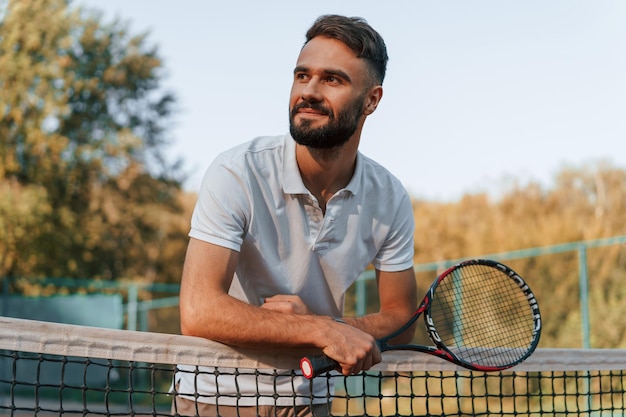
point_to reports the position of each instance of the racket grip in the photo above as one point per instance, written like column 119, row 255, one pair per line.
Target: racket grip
column 317, row 365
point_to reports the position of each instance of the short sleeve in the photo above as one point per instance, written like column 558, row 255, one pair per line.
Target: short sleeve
column 222, row 211
column 397, row 251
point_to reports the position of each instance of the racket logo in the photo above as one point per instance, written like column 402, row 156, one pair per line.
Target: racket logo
column 432, row 331
column 534, row 306
column 430, row 325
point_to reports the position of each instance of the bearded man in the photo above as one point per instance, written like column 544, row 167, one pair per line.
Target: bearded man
column 284, row 225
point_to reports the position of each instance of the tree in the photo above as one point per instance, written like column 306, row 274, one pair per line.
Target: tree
column 83, row 128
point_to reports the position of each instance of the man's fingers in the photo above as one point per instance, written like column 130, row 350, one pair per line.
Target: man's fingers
column 282, row 307
column 286, row 304
column 354, row 350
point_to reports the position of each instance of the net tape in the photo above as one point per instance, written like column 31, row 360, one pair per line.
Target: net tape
column 71, row 340
column 551, row 382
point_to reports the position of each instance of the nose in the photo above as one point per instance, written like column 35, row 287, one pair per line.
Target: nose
column 311, row 91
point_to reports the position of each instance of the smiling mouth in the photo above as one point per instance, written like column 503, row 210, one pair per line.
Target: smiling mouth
column 311, row 109
column 311, row 112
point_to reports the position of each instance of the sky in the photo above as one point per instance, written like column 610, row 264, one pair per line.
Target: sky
column 479, row 94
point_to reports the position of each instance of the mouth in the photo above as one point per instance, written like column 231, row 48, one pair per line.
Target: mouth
column 310, row 114
column 310, row 111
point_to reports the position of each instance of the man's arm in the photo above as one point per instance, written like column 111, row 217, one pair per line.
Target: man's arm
column 208, row 311
column 398, row 301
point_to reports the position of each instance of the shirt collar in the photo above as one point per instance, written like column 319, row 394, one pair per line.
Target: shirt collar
column 292, row 180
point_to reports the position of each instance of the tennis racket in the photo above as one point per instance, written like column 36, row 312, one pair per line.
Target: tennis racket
column 480, row 314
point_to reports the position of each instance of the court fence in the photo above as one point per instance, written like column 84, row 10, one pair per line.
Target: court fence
column 139, row 299
column 580, row 248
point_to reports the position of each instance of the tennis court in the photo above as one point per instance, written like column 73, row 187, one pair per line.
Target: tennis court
column 64, row 370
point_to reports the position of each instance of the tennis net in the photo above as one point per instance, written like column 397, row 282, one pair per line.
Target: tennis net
column 57, row 369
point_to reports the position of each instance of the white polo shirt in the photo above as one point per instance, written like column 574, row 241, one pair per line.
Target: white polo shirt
column 253, row 200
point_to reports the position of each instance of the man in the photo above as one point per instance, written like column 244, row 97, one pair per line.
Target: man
column 284, row 225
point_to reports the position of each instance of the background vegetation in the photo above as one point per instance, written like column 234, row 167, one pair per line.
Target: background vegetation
column 86, row 189
column 87, row 192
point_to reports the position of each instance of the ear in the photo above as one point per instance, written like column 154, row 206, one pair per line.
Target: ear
column 372, row 99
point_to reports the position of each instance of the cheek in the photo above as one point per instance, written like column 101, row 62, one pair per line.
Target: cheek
column 294, row 95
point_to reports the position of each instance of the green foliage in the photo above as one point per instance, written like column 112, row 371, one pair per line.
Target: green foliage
column 83, row 127
column 22, row 211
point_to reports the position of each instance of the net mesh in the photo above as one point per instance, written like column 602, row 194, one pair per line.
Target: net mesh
column 54, row 369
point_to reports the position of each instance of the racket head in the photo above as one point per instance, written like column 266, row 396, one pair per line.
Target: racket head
column 483, row 315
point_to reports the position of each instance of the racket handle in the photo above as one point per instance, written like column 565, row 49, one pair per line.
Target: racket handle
column 317, row 365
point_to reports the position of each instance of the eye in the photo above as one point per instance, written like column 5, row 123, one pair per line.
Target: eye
column 301, row 76
column 332, row 79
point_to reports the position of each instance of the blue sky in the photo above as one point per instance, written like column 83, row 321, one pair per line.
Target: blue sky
column 478, row 94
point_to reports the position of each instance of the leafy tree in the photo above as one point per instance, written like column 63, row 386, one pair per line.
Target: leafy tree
column 83, row 128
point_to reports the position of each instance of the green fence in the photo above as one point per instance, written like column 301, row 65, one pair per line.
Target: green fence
column 136, row 309
column 579, row 247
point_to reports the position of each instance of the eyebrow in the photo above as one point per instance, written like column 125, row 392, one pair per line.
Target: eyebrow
column 336, row 72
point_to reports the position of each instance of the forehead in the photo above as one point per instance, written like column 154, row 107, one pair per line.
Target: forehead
column 323, row 54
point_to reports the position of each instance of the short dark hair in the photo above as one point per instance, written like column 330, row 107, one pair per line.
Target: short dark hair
column 357, row 35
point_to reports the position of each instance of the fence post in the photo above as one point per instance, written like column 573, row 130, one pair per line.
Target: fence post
column 131, row 315
column 5, row 296
column 361, row 298
column 583, row 283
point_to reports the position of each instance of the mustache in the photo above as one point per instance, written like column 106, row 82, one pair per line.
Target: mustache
column 313, row 106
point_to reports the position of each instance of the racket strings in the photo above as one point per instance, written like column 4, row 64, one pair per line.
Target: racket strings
column 483, row 316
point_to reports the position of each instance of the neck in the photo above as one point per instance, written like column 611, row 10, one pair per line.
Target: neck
column 325, row 156
column 326, row 171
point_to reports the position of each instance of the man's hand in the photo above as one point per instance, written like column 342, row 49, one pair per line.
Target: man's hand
column 352, row 348
column 290, row 304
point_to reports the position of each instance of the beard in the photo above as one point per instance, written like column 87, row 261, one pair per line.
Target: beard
column 334, row 134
